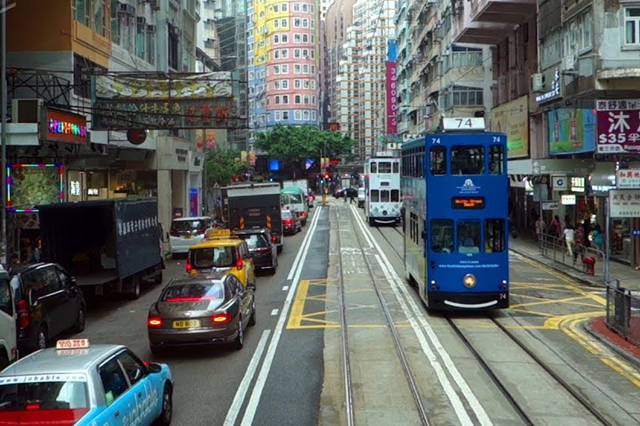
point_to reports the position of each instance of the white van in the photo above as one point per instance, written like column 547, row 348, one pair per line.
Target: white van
column 8, row 321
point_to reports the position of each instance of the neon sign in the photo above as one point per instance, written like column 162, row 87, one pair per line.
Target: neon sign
column 66, row 128
column 62, row 126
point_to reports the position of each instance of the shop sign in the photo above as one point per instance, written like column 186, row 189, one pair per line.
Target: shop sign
column 578, row 184
column 628, row 178
column 555, row 89
column 568, row 200
column 624, row 203
column 74, row 188
column 93, row 192
column 618, row 126
column 571, row 130
column 181, row 154
column 252, row 158
column 635, row 232
column 512, row 118
column 550, row 205
column 61, row 126
column 559, row 183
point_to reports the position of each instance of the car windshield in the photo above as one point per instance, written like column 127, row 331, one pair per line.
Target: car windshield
column 286, row 214
column 255, row 241
column 212, row 257
column 193, row 292
column 32, row 393
column 187, row 225
column 292, row 198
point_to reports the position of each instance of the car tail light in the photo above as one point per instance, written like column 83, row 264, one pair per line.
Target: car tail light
column 188, row 266
column 303, row 214
column 32, row 406
column 263, row 250
column 23, row 314
column 221, row 318
column 174, row 233
column 154, row 322
column 288, row 222
column 239, row 264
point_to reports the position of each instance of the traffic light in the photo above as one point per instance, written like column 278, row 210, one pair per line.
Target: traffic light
column 326, row 176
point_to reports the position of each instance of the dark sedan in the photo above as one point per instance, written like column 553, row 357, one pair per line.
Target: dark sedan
column 201, row 310
column 262, row 248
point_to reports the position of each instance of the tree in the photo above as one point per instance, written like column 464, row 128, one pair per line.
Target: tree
column 292, row 145
column 220, row 165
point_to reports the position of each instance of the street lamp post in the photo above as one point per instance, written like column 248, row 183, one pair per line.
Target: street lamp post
column 3, row 134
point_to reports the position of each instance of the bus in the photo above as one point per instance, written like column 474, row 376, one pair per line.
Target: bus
column 382, row 190
column 455, row 203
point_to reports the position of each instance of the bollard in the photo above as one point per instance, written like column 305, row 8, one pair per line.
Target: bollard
column 590, row 263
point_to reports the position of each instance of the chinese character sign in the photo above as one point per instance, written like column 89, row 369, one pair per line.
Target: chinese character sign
column 628, row 179
column 392, row 90
column 624, row 203
column 618, row 126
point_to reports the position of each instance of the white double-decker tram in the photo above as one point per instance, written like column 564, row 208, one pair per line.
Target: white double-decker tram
column 382, row 188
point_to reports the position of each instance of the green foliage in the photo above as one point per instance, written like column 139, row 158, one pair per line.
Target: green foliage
column 221, row 165
column 292, row 144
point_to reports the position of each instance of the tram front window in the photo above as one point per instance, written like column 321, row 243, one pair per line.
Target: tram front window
column 374, row 167
column 384, row 167
column 384, row 196
column 438, row 160
column 496, row 160
column 442, row 235
column 469, row 236
column 467, row 160
column 395, row 196
column 375, row 196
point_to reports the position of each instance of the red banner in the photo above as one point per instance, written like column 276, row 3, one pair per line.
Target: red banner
column 618, row 126
column 392, row 99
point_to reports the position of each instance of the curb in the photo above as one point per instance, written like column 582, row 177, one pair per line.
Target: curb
column 558, row 269
column 586, row 326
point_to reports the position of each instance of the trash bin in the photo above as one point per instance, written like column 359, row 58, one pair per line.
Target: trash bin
column 590, row 264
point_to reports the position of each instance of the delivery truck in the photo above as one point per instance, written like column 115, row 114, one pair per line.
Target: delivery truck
column 109, row 246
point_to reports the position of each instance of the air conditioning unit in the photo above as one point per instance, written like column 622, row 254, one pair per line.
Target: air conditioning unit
column 569, row 63
column 26, row 110
column 155, row 4
column 537, row 82
column 126, row 9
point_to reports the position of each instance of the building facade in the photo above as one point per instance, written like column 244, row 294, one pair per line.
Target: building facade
column 60, row 44
column 284, row 64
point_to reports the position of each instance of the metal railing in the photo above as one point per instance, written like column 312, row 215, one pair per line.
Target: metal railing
column 623, row 312
column 578, row 257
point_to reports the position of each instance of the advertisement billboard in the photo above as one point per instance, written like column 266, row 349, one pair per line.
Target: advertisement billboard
column 392, row 91
column 512, row 118
column 63, row 126
column 571, row 130
column 618, row 126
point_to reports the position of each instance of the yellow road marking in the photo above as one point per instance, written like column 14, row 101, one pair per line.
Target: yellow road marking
column 548, row 301
column 297, row 308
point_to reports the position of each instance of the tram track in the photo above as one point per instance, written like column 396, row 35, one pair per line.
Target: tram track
column 413, row 387
column 393, row 246
column 537, row 360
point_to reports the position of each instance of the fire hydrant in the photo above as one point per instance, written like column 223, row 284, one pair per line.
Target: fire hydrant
column 590, row 264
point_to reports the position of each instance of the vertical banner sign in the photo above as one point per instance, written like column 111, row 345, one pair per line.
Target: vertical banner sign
column 392, row 91
column 618, row 126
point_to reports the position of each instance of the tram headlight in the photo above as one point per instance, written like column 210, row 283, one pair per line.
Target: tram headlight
column 469, row 281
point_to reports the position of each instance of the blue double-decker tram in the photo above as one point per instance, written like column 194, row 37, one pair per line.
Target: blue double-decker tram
column 455, row 194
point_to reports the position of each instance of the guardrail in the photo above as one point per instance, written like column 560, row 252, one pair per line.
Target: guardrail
column 623, row 312
column 587, row 260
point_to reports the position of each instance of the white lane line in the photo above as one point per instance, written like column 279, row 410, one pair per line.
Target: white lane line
column 236, row 405
column 274, row 312
column 285, row 288
column 444, row 355
column 366, row 236
column 252, row 406
column 297, row 259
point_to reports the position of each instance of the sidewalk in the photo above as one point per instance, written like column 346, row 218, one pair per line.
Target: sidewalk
column 629, row 277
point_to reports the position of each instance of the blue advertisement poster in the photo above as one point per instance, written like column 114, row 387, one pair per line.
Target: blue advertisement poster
column 571, row 130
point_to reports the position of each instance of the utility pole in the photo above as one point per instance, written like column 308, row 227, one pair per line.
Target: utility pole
column 3, row 135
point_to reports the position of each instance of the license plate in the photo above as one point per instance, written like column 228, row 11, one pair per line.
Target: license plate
column 187, row 237
column 186, row 324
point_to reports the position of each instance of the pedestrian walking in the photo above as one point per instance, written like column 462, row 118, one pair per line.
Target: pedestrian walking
column 569, row 234
column 540, row 229
column 586, row 226
column 598, row 238
column 555, row 228
column 351, row 197
column 578, row 243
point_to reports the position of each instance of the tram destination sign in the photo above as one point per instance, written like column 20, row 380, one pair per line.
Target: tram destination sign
column 467, row 203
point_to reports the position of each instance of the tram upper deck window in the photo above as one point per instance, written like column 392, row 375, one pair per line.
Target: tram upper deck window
column 384, row 167
column 442, row 236
column 468, row 236
column 438, row 160
column 375, row 196
column 494, row 235
column 396, row 167
column 374, row 167
column 496, row 160
column 467, row 160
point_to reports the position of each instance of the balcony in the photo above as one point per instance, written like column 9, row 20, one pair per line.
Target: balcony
column 489, row 21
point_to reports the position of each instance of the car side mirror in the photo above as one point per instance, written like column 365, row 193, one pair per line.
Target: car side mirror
column 154, row 367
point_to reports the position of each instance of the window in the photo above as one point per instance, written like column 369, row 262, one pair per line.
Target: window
column 467, row 160
column 313, row 115
column 276, row 23
column 113, row 380
column 276, row 69
column 285, row 115
column 276, row 54
column 467, row 96
column 285, row 7
column 494, row 235
column 496, row 160
column 297, row 84
column 296, row 7
column 296, row 23
column 296, row 53
column 313, row 24
column 305, row 38
column 305, row 100
column 632, row 25
column 298, row 115
column 284, row 39
column 285, row 84
column 396, row 167
column 438, row 160
column 469, row 236
column 285, row 69
column 385, row 167
column 297, row 100
column 276, row 8
column 384, row 196
column 132, row 367
column 52, row 397
column 375, row 196
column 442, row 235
column 82, row 11
column 99, row 17
column 276, row 39
column 305, row 7
column 305, row 69
column 395, row 195
column 173, row 47
column 214, row 257
column 284, row 23
column 297, row 38
column 115, row 22
column 285, row 99
column 297, row 69
column 6, row 304
column 374, row 167
column 278, row 116
column 305, row 115
column 284, row 53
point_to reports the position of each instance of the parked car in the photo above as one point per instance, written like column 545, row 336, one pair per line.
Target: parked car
column 48, row 302
column 339, row 193
column 361, row 197
column 79, row 384
column 8, row 321
column 187, row 231
column 290, row 222
column 262, row 248
column 221, row 251
column 202, row 310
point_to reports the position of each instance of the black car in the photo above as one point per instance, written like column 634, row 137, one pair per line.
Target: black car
column 345, row 192
column 48, row 303
column 262, row 247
